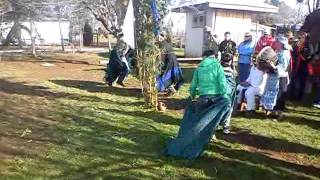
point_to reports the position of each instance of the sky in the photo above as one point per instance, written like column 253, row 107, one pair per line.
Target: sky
column 291, row 2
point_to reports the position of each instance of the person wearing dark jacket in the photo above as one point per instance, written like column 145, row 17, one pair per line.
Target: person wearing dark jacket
column 170, row 78
column 116, row 68
column 228, row 46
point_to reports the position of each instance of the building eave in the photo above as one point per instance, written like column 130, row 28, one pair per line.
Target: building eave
column 262, row 8
column 257, row 9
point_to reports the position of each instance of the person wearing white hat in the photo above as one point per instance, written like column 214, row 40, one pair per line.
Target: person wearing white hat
column 245, row 51
column 283, row 53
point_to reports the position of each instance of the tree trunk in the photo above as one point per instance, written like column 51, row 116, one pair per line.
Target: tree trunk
column 12, row 33
column 109, row 42
column 33, row 38
column 61, row 34
column 309, row 6
column 318, row 4
column 81, row 39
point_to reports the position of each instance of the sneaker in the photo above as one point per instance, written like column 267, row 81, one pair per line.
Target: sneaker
column 213, row 138
column 226, row 130
column 110, row 84
column 316, row 105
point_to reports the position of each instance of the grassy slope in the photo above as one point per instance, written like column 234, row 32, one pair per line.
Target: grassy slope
column 89, row 131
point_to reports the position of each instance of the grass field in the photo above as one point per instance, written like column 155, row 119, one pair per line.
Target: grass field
column 62, row 122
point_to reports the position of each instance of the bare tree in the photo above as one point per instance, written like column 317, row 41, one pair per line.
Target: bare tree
column 312, row 4
column 110, row 13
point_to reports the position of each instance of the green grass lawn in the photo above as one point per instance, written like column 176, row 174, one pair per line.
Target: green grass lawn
column 62, row 128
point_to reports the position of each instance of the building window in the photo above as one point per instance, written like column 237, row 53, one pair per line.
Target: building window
column 199, row 20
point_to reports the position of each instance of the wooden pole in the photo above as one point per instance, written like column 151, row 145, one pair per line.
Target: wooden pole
column 109, row 42
column 59, row 21
column 33, row 38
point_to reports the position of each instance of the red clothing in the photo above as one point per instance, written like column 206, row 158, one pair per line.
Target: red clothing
column 263, row 42
column 314, row 68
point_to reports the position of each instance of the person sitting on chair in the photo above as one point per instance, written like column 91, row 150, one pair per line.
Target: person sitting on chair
column 252, row 87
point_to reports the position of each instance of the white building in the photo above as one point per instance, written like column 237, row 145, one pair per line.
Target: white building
column 235, row 16
column 48, row 32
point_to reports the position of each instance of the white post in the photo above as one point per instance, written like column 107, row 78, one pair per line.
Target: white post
column 257, row 29
column 59, row 21
column 109, row 42
column 33, row 38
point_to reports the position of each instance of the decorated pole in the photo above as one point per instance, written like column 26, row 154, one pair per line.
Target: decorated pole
column 147, row 28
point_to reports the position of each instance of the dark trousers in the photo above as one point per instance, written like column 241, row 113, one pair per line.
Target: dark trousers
column 282, row 94
column 316, row 81
column 121, row 74
column 298, row 85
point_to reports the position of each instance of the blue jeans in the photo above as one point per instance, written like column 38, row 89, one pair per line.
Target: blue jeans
column 244, row 71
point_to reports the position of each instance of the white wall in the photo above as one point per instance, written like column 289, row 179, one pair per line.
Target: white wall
column 236, row 22
column 48, row 31
column 178, row 21
column 194, row 38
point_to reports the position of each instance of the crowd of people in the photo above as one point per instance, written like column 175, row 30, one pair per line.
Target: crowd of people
column 266, row 71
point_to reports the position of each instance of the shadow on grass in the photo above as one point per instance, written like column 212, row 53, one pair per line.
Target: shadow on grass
column 263, row 161
column 188, row 74
column 104, row 54
column 21, row 88
column 302, row 121
column 151, row 115
column 89, row 146
column 96, row 87
column 311, row 112
column 175, row 104
column 298, row 120
column 51, row 59
column 267, row 143
column 95, row 69
column 123, row 144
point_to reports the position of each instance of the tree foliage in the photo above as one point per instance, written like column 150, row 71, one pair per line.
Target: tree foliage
column 312, row 4
column 148, row 53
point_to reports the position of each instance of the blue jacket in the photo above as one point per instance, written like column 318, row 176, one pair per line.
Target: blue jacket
column 245, row 51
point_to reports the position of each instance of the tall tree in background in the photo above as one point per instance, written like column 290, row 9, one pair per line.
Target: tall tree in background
column 87, row 34
column 312, row 4
column 110, row 13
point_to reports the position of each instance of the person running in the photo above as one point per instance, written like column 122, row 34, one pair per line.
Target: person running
column 202, row 117
column 171, row 77
column 245, row 51
column 117, row 68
